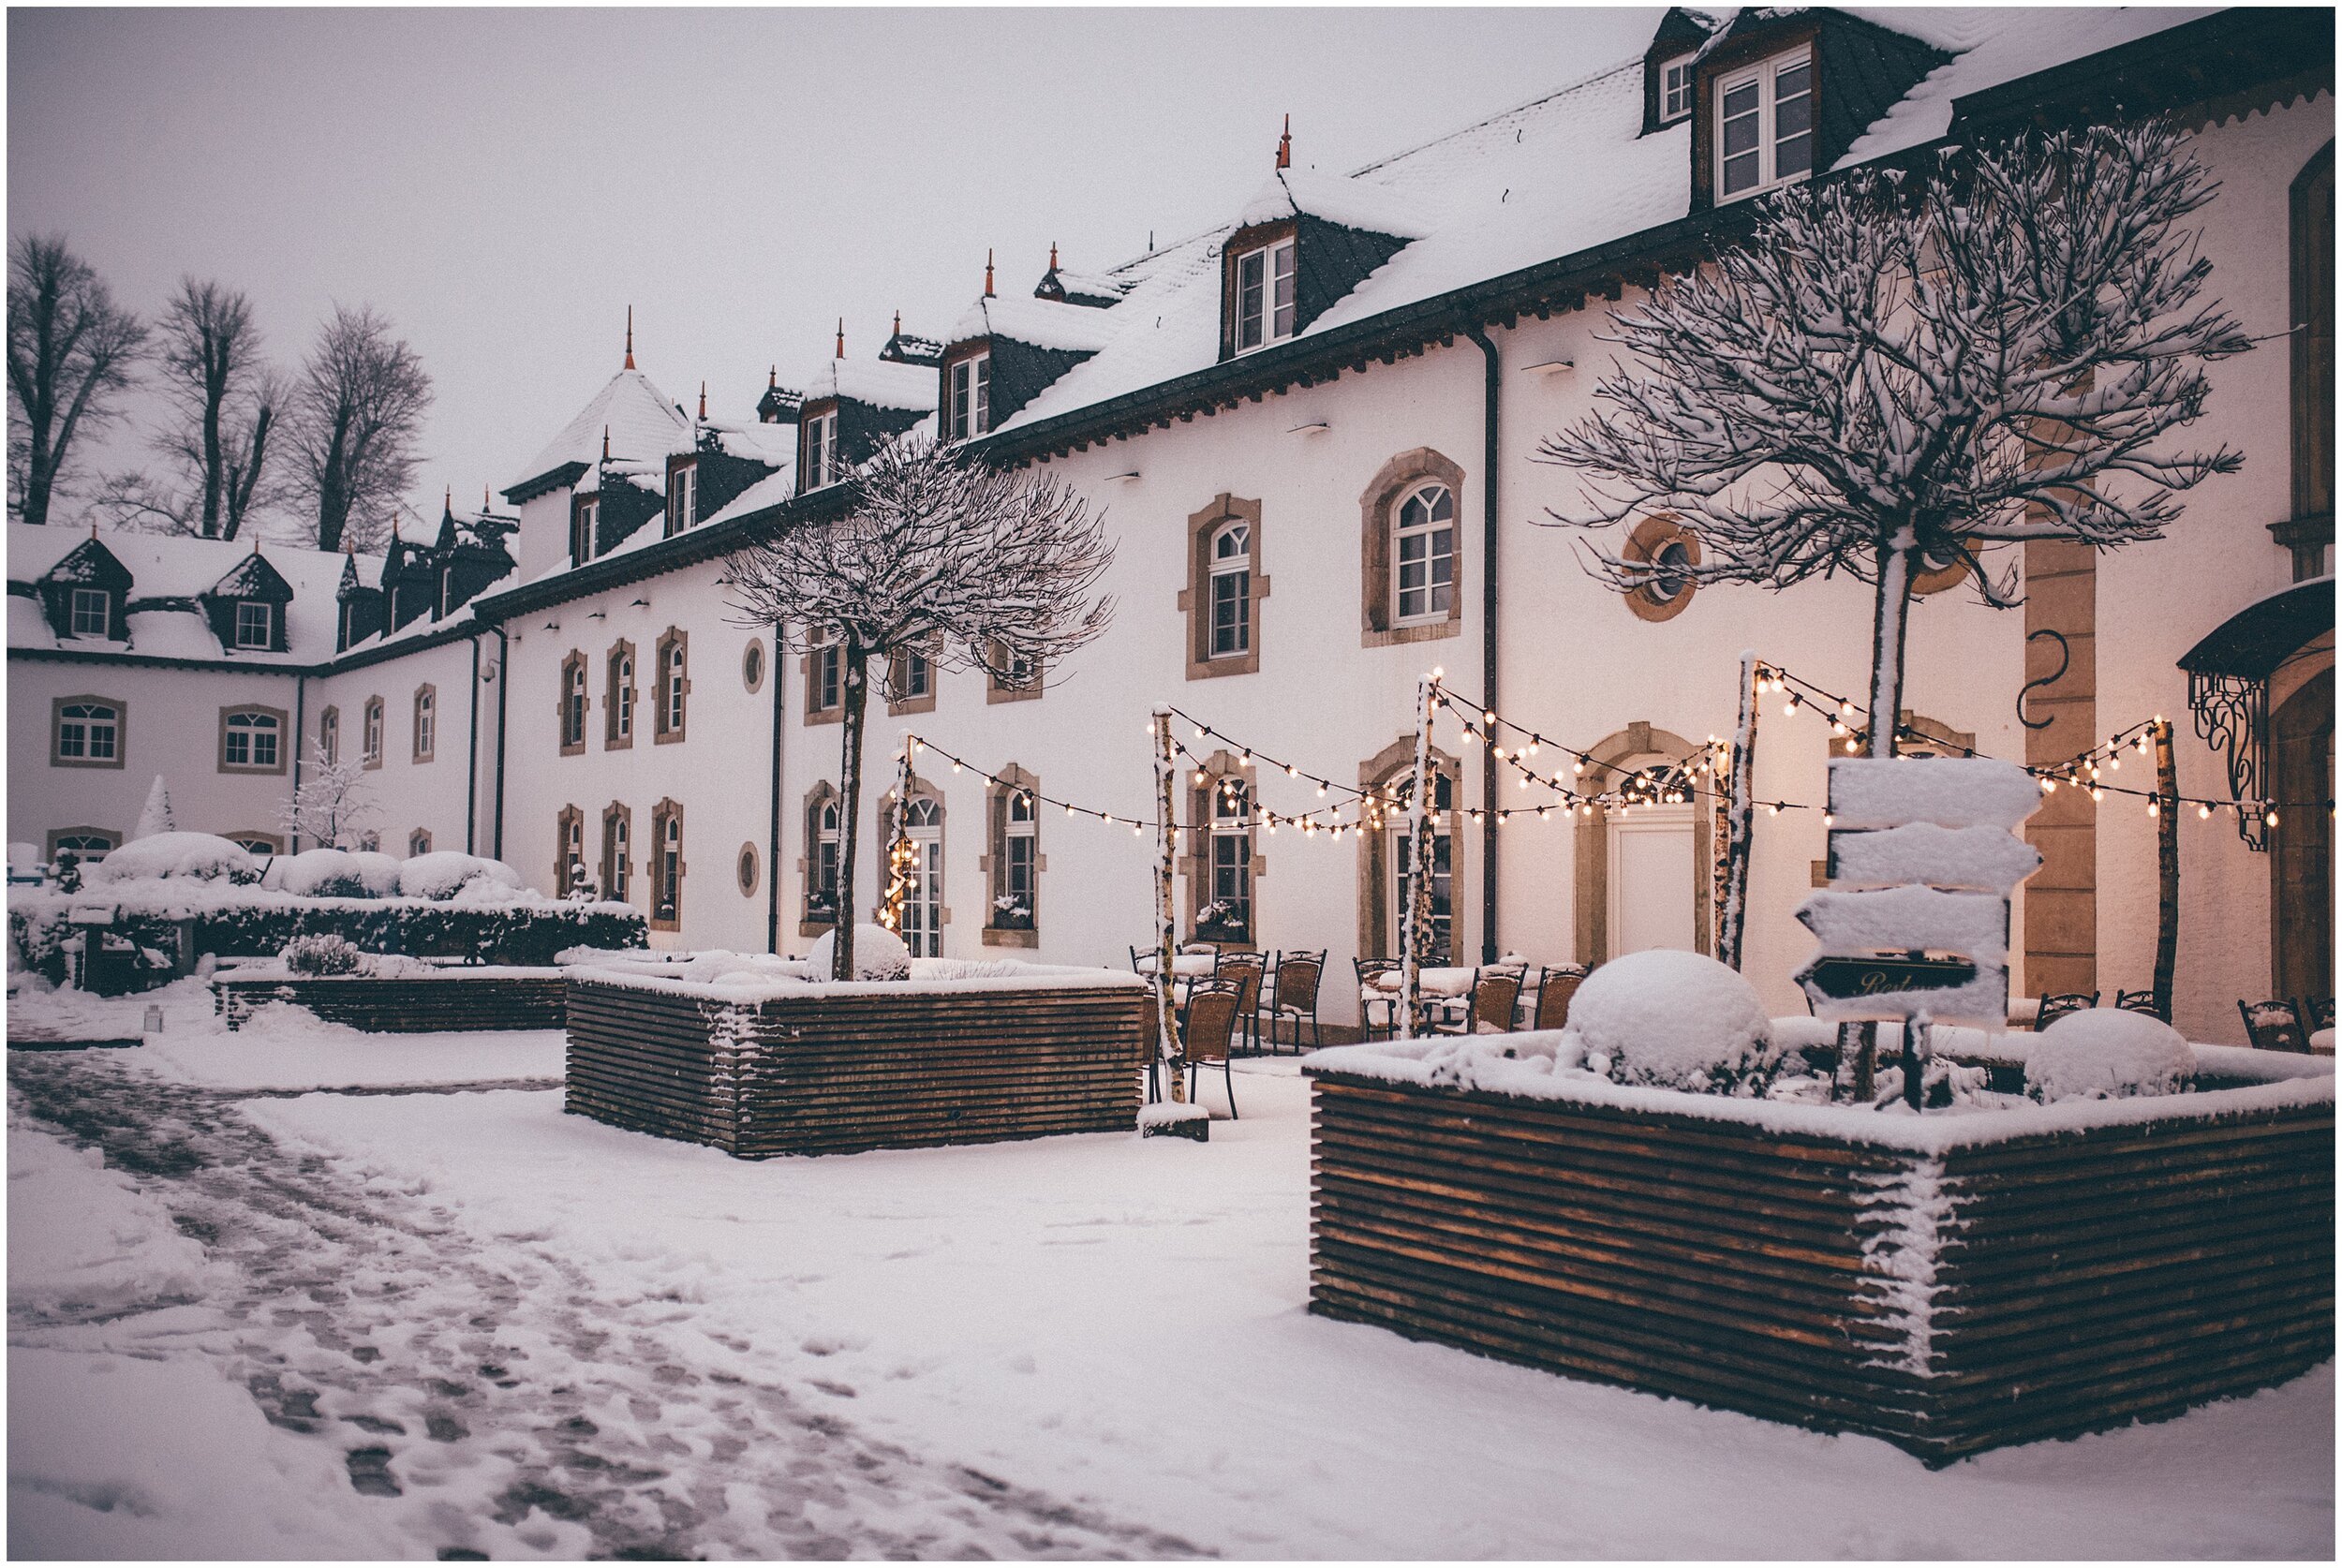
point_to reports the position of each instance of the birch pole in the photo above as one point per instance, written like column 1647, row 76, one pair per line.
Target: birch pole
column 1166, row 849
column 898, row 850
column 2167, row 866
column 1421, row 801
column 1739, row 818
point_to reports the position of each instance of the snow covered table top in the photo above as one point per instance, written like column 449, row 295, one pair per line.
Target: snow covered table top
column 2321, row 1042
column 1181, row 963
column 1436, row 982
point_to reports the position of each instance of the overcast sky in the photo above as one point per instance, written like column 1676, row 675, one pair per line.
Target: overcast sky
column 504, row 183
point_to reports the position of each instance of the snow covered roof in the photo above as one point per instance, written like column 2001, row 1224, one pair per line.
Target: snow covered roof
column 773, row 444
column 879, row 383
column 169, row 575
column 1562, row 174
column 766, row 493
column 643, row 421
column 1043, row 323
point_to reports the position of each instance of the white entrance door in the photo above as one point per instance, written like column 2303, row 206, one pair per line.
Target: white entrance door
column 1650, row 879
column 922, row 911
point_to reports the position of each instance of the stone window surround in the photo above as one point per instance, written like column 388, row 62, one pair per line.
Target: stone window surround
column 231, row 710
column 996, row 691
column 1012, row 777
column 674, row 639
column 667, row 810
column 808, row 665
column 612, row 862
column 921, row 789
column 572, row 680
column 372, row 733
column 122, row 735
column 419, row 842
column 748, row 870
column 822, row 793
column 896, row 707
column 1590, row 851
column 611, row 739
column 1378, row 515
column 1194, row 862
column 1194, row 600
column 424, row 753
column 754, row 665
column 329, row 724
column 569, row 843
column 1651, row 536
column 1376, row 937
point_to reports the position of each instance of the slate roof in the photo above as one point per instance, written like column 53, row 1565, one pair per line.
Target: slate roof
column 879, row 383
column 644, row 424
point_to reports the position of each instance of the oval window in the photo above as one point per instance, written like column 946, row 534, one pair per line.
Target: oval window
column 747, row 869
column 752, row 666
column 1665, row 554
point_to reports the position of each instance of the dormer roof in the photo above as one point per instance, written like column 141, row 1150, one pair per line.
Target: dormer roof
column 1363, row 205
column 1042, row 323
column 253, row 577
column 1096, row 290
column 910, row 349
column 879, row 383
column 643, row 423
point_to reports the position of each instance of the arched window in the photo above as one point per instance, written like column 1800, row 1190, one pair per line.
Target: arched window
column 1425, row 554
column 1232, row 590
column 419, row 842
column 923, row 909
column 617, row 828
column 260, row 844
column 572, row 703
column 86, row 844
column 1016, row 857
column 250, row 740
column 820, row 890
column 330, row 736
column 86, row 732
column 426, row 722
column 667, row 868
column 671, row 684
column 1226, row 915
column 370, row 741
column 617, row 700
column 569, row 851
column 1400, row 860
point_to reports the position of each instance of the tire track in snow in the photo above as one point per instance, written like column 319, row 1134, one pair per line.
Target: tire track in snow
column 470, row 1380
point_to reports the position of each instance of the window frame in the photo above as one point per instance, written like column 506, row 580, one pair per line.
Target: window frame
column 1400, row 531
column 820, row 449
column 672, row 688
column 569, row 848
column 618, row 848
column 817, row 872
column 1685, row 69
column 924, row 801
column 1001, row 686
column 967, row 396
column 119, row 725
column 372, row 734
column 667, row 867
column 1231, row 571
column 1764, row 74
column 274, row 731
column 1652, row 536
column 1230, row 843
column 267, row 624
column 1269, row 253
column 585, row 519
column 618, row 697
column 570, row 703
column 1205, row 530
column 426, row 722
column 683, row 496
column 54, row 842
column 1014, row 847
column 417, row 843
column 825, row 663
column 902, row 666
column 329, row 736
column 75, row 604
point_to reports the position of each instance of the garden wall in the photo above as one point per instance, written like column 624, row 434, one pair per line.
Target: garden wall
column 828, row 1069
column 450, row 1000
column 1950, row 1284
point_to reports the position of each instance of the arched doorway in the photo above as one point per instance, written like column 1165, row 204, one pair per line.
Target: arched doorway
column 2301, row 845
column 1645, row 876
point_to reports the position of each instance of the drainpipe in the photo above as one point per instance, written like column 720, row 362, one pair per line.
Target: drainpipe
column 504, row 691
column 1489, row 948
column 472, row 758
column 301, row 721
column 772, row 852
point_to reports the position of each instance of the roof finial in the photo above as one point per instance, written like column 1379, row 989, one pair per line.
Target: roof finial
column 772, row 379
column 841, row 337
column 484, row 500
column 448, row 506
column 899, row 323
column 988, row 272
column 605, row 443
column 1285, row 145
column 1053, row 256
column 703, row 403
column 629, row 338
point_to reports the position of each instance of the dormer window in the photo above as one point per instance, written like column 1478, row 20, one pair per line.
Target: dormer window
column 1765, row 124
column 582, row 530
column 971, row 408
column 93, row 612
column 1675, row 90
column 683, row 498
column 820, row 449
column 1265, row 296
column 256, row 622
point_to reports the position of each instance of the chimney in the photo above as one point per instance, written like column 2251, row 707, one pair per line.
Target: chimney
column 988, row 272
column 629, row 338
column 1285, row 145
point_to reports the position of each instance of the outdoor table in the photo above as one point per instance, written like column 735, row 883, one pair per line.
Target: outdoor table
column 1187, row 968
column 2322, row 1042
column 1445, row 989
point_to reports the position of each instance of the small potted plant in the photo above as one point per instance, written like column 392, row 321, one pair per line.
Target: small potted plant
column 1011, row 913
column 1221, row 921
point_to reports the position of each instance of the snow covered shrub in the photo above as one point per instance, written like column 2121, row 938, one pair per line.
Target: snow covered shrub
column 446, row 874
column 2108, row 1052
column 877, row 954
column 322, row 954
column 1676, row 1020
column 195, row 856
column 333, row 874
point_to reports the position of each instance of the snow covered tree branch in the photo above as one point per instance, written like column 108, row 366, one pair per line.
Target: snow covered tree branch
column 329, row 805
column 940, row 555
column 1891, row 373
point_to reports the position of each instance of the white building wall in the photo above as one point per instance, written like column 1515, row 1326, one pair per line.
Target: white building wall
column 407, row 791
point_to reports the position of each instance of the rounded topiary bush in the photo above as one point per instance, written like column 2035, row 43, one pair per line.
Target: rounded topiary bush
column 195, row 856
column 1668, row 1020
column 877, row 955
column 2108, row 1052
column 322, row 954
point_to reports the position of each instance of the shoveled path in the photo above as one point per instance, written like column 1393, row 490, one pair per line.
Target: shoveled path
column 489, row 1372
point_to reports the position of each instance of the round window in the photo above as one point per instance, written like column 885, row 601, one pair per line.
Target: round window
column 1669, row 576
column 1664, row 553
column 747, row 869
column 752, row 666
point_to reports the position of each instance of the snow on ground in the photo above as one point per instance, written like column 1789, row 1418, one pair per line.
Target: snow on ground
column 1087, row 1346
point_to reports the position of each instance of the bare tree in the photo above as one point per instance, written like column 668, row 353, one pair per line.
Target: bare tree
column 358, row 409
column 227, row 400
column 329, row 805
column 939, row 553
column 73, row 352
column 1892, row 371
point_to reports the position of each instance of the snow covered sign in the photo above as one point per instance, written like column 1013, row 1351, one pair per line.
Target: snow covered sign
column 1923, row 857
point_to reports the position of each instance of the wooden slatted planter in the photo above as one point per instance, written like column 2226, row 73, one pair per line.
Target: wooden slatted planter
column 1950, row 1284
column 828, row 1070
column 452, row 1001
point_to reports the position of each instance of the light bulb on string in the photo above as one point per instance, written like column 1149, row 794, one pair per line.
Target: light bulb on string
column 2202, row 812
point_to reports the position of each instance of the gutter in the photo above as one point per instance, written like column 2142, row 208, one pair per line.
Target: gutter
column 472, row 758
column 504, row 689
column 301, row 723
column 1493, row 398
column 772, row 852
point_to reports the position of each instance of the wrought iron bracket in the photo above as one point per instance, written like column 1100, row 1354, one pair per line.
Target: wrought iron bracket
column 2232, row 717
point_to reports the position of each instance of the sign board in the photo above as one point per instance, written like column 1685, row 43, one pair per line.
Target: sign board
column 1923, row 861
